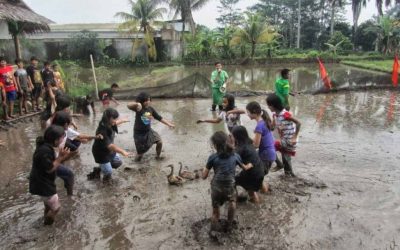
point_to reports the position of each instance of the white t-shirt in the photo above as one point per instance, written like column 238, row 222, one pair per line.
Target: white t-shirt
column 231, row 120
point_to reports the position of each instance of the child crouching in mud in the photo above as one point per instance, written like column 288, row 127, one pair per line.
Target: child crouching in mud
column 105, row 152
column 288, row 129
column 224, row 163
column 44, row 167
column 143, row 134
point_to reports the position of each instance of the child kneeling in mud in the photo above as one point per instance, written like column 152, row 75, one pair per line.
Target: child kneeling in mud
column 105, row 152
column 143, row 134
column 224, row 163
column 44, row 166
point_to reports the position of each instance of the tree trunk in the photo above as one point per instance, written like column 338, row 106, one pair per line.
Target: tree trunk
column 253, row 49
column 183, row 40
column 186, row 12
column 298, row 26
column 17, row 46
column 332, row 18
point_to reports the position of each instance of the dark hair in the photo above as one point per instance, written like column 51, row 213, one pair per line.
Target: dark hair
column 51, row 134
column 2, row 58
column 255, row 108
column 231, row 102
column 215, row 64
column 109, row 114
column 285, row 72
column 274, row 101
column 54, row 65
column 63, row 102
column 114, row 85
column 34, row 58
column 46, row 63
column 18, row 60
column 52, row 83
column 241, row 136
column 61, row 118
column 220, row 141
column 143, row 97
column 88, row 97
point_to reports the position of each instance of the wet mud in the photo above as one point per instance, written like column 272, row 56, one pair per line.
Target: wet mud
column 345, row 196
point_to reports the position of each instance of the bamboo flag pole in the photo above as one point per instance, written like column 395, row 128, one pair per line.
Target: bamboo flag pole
column 94, row 76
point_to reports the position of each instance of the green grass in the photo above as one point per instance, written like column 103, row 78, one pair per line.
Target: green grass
column 377, row 65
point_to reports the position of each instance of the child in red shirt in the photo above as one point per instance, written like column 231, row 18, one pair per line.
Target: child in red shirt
column 8, row 81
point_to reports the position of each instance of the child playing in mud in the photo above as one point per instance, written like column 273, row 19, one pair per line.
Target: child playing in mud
column 25, row 86
column 144, row 135
column 252, row 179
column 219, row 79
column 231, row 119
column 282, row 87
column 224, row 163
column 10, row 86
column 107, row 95
column 44, row 167
column 105, row 152
column 288, row 129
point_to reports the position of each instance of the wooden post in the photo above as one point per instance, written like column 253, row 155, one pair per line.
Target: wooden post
column 94, row 76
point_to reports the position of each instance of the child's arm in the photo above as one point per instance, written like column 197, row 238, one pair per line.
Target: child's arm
column 256, row 140
column 121, row 121
column 298, row 125
column 116, row 149
column 236, row 111
column 168, row 123
column 217, row 120
column 16, row 80
column 205, row 173
column 245, row 166
column 88, row 137
column 63, row 155
column 134, row 106
column 114, row 100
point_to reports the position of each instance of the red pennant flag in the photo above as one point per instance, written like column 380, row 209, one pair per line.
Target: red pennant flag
column 324, row 75
column 395, row 72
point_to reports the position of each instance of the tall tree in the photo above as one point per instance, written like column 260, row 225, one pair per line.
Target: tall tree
column 229, row 15
column 298, row 25
column 334, row 4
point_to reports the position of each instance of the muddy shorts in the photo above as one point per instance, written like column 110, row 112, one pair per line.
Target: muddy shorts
column 221, row 193
column 37, row 91
column 144, row 142
column 11, row 96
column 24, row 93
column 51, row 201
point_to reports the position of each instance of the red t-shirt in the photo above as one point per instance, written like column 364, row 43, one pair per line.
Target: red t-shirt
column 6, row 78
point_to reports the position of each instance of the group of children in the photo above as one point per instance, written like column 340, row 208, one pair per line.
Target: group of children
column 255, row 156
column 26, row 84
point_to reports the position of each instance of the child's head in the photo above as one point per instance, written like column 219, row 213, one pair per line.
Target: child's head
column 228, row 102
column 19, row 63
column 285, row 73
column 34, row 61
column 53, row 135
column 63, row 103
column 218, row 65
column 110, row 117
column 253, row 110
column 220, row 142
column 274, row 103
column 144, row 99
column 114, row 87
column 241, row 136
column 46, row 64
column 62, row 118
column 3, row 61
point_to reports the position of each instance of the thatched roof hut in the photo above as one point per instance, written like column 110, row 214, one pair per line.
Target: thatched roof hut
column 22, row 20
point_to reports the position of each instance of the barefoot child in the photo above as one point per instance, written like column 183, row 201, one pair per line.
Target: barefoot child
column 25, row 86
column 224, row 163
column 10, row 86
column 263, row 138
column 105, row 152
column 231, row 119
column 288, row 129
column 144, row 135
column 44, row 167
column 252, row 179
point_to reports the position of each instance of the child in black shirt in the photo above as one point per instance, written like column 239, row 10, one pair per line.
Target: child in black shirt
column 144, row 135
column 44, row 166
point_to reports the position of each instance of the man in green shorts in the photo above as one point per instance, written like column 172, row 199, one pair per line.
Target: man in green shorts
column 282, row 88
column 219, row 79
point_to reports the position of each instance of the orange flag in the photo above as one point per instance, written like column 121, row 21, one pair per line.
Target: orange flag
column 395, row 72
column 324, row 75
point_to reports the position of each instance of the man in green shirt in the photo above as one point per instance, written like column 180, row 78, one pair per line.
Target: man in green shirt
column 282, row 88
column 219, row 79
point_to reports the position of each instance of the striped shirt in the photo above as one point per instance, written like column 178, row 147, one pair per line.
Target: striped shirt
column 286, row 129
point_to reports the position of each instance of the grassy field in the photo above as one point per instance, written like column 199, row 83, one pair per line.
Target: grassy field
column 378, row 65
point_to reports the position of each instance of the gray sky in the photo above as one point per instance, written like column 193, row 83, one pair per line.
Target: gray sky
column 102, row 11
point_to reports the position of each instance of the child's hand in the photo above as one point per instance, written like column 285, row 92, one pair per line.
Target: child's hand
column 64, row 153
column 199, row 121
column 293, row 141
column 99, row 137
column 139, row 107
column 128, row 154
column 171, row 125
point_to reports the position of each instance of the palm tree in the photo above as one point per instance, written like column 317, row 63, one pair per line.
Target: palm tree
column 16, row 29
column 387, row 30
column 334, row 3
column 185, row 8
column 254, row 31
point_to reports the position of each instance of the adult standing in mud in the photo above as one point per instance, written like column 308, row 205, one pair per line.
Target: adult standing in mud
column 219, row 79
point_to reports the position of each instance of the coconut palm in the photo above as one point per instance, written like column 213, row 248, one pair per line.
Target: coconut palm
column 388, row 32
column 254, row 31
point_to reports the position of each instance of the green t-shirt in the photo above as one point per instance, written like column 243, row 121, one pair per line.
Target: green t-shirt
column 282, row 89
column 218, row 79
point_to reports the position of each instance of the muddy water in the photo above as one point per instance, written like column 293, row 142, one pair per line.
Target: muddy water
column 346, row 195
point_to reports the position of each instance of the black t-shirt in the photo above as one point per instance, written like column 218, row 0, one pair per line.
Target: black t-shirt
column 82, row 104
column 35, row 75
column 224, row 167
column 47, row 76
column 105, row 94
column 249, row 155
column 143, row 119
column 100, row 150
column 41, row 182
